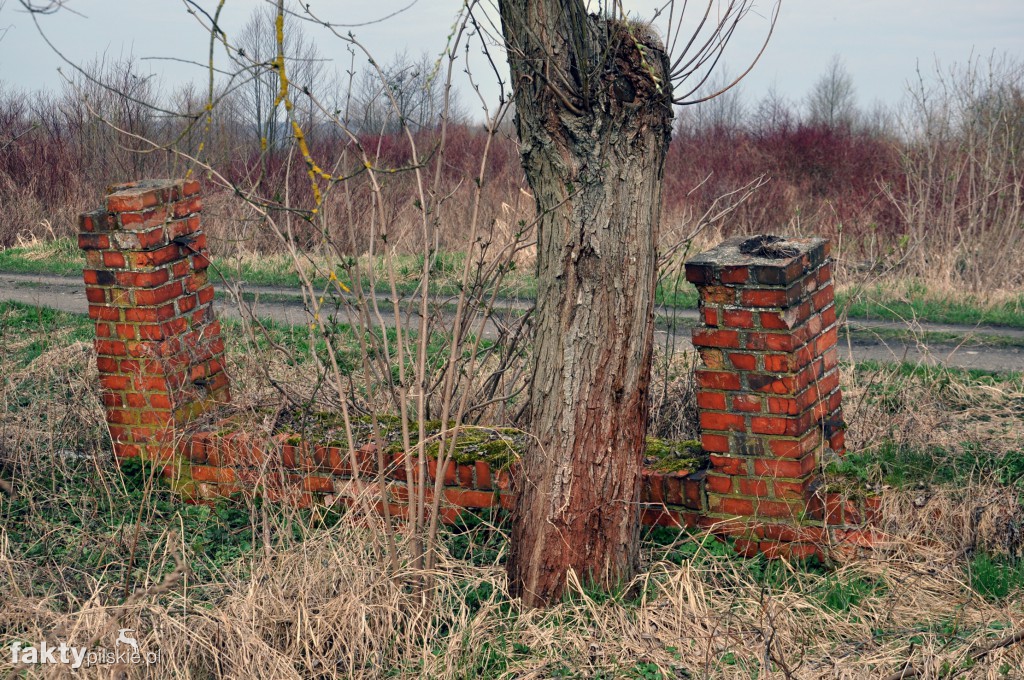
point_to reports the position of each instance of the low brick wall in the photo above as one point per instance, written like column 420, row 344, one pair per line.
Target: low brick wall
column 210, row 464
column 768, row 392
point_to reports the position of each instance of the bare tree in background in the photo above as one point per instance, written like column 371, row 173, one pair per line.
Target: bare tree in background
column 594, row 97
column 255, row 50
column 725, row 112
column 879, row 120
column 117, row 92
column 405, row 92
column 833, row 101
column 773, row 112
column 964, row 180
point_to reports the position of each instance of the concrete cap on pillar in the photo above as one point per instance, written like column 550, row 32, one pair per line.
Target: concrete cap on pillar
column 765, row 260
column 148, row 193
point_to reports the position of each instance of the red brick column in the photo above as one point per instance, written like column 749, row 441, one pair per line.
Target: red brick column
column 768, row 392
column 158, row 345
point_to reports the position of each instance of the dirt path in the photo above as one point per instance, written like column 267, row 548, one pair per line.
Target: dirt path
column 868, row 342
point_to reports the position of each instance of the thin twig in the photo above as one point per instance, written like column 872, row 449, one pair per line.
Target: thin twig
column 977, row 654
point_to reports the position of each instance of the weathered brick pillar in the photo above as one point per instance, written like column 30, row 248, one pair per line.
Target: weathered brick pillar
column 768, row 392
column 158, row 345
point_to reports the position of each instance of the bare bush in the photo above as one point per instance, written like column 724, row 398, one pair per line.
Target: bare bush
column 922, row 192
column 963, row 197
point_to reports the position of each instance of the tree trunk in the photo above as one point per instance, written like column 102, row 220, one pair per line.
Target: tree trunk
column 594, row 117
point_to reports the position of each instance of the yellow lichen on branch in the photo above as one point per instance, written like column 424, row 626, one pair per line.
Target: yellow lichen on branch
column 282, row 90
column 312, row 169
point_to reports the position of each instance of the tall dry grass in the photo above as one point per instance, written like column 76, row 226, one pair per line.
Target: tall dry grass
column 309, row 599
column 332, row 608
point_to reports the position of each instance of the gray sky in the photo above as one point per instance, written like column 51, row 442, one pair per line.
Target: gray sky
column 879, row 41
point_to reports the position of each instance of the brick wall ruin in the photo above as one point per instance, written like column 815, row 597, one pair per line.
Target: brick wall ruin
column 768, row 391
column 158, row 345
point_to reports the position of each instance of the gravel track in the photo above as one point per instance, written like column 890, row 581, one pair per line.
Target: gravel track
column 870, row 341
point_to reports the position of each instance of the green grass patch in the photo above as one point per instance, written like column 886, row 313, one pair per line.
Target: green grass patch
column 480, row 537
column 59, row 258
column 676, row 292
column 101, row 523
column 838, row 591
column 904, row 466
column 938, row 376
column 27, row 332
column 914, row 301
column 445, row 273
column 271, row 270
column 995, row 578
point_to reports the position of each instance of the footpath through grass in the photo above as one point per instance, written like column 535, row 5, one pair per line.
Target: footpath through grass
column 899, row 301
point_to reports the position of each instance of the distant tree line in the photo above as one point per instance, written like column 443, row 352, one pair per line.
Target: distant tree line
column 943, row 167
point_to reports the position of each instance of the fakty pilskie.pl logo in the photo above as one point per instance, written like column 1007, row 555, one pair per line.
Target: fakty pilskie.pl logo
column 125, row 651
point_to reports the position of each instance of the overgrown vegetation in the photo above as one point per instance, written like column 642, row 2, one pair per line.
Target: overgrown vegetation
column 309, row 592
column 247, row 588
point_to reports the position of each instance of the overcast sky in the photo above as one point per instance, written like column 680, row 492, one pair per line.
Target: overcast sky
column 880, row 42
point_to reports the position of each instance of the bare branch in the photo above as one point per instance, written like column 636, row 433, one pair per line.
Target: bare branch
column 18, row 136
column 708, row 54
column 49, row 7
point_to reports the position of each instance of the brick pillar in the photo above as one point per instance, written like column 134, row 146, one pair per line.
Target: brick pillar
column 768, row 392
column 158, row 345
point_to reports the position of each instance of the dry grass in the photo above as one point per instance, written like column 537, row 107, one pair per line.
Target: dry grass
column 932, row 407
column 331, row 607
column 309, row 599
column 674, row 413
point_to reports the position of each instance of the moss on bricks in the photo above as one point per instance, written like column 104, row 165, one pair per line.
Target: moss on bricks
column 499, row 447
column 666, row 455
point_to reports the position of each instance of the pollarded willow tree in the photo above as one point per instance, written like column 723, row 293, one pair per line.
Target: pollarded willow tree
column 594, row 98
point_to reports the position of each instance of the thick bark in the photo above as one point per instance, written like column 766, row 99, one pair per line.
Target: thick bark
column 594, row 117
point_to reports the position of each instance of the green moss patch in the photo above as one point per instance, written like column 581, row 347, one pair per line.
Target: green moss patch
column 666, row 455
column 499, row 447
